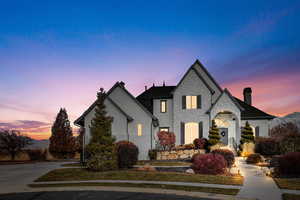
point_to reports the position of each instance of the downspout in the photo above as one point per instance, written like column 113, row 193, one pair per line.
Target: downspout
column 127, row 130
column 151, row 134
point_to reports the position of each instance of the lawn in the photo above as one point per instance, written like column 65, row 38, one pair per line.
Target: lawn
column 286, row 196
column 169, row 163
column 140, row 185
column 77, row 174
column 288, row 183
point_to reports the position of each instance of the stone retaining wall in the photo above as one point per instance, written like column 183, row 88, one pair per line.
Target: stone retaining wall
column 178, row 154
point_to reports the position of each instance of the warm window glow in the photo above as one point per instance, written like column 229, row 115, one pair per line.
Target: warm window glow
column 139, row 129
column 191, row 132
column 163, row 106
column 191, row 102
column 166, row 129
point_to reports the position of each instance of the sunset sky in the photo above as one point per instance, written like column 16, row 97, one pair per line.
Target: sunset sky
column 59, row 53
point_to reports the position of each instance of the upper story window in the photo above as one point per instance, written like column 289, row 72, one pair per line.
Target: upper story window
column 163, row 106
column 166, row 129
column 191, row 102
column 139, row 130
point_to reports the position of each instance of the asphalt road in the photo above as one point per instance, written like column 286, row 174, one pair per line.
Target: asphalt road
column 92, row 195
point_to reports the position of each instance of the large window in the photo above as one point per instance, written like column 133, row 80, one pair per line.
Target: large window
column 166, row 129
column 139, row 130
column 191, row 102
column 191, row 132
column 163, row 106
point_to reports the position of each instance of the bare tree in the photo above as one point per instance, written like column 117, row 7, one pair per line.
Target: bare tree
column 12, row 142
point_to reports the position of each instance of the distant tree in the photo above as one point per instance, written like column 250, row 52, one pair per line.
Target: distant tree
column 62, row 142
column 214, row 134
column 281, row 130
column 12, row 142
column 247, row 135
column 79, row 140
column 101, row 150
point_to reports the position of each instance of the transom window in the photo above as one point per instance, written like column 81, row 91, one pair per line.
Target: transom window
column 139, row 130
column 166, row 129
column 163, row 106
column 191, row 102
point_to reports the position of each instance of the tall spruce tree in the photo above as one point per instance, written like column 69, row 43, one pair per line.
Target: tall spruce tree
column 247, row 135
column 214, row 134
column 62, row 142
column 101, row 149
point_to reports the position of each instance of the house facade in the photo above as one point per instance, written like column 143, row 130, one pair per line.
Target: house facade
column 186, row 109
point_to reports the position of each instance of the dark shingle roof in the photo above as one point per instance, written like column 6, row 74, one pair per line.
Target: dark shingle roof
column 251, row 112
column 160, row 92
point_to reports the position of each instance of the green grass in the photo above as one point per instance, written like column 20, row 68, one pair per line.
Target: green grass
column 286, row 196
column 169, row 163
column 71, row 165
column 288, row 183
column 78, row 174
column 159, row 186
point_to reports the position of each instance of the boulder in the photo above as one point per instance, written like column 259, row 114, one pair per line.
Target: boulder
column 190, row 171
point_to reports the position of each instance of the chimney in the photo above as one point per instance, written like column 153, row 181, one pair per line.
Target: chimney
column 248, row 95
column 153, row 85
column 122, row 84
column 164, row 84
column 145, row 87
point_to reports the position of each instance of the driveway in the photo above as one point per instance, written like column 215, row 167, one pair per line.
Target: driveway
column 14, row 178
column 93, row 195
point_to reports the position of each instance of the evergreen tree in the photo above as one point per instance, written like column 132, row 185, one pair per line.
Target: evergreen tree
column 101, row 149
column 214, row 135
column 247, row 135
column 62, row 142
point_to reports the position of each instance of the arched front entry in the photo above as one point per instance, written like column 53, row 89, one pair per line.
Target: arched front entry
column 229, row 126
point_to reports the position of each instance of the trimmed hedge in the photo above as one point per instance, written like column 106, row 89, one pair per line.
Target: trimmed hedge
column 289, row 164
column 227, row 154
column 254, row 158
column 267, row 146
column 37, row 154
column 209, row 164
column 127, row 154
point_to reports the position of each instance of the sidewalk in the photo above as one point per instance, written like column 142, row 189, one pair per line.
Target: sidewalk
column 256, row 184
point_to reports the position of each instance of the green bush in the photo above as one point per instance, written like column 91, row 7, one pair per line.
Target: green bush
column 227, row 154
column 247, row 135
column 37, row 154
column 101, row 157
column 267, row 146
column 152, row 154
column 254, row 158
column 127, row 154
column 214, row 135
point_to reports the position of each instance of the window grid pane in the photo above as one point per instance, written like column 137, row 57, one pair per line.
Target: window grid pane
column 139, row 127
column 163, row 106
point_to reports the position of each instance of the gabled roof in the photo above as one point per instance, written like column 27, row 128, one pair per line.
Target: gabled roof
column 80, row 120
column 199, row 75
column 161, row 92
column 251, row 112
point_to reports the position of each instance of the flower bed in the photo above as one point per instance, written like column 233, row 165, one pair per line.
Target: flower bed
column 178, row 154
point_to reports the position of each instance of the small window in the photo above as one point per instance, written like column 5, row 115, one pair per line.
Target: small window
column 191, row 102
column 166, row 129
column 163, row 106
column 139, row 129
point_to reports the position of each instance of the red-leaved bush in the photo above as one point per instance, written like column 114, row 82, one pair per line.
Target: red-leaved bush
column 227, row 154
column 289, row 164
column 200, row 143
column 127, row 154
column 209, row 164
column 166, row 140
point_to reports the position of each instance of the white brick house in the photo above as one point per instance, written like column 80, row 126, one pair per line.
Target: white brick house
column 186, row 109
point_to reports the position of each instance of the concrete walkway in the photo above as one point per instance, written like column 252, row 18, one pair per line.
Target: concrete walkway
column 256, row 184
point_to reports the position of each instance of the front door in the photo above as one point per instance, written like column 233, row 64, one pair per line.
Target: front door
column 191, row 132
column 224, row 135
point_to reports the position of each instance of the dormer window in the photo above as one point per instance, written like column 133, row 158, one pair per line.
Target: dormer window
column 163, row 106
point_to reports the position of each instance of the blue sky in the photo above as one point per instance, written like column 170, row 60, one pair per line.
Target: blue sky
column 59, row 53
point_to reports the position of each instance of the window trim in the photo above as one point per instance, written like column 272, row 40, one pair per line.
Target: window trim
column 191, row 102
column 164, row 128
column 161, row 101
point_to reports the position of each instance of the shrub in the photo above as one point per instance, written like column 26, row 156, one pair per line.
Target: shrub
column 247, row 135
column 254, row 158
column 36, row 154
column 227, row 154
column 267, row 146
column 284, row 129
column 127, row 154
column 166, row 139
column 152, row 154
column 200, row 143
column 214, row 135
column 209, row 164
column 289, row 163
column 290, row 143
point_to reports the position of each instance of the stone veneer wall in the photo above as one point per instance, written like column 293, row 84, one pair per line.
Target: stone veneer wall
column 178, row 154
